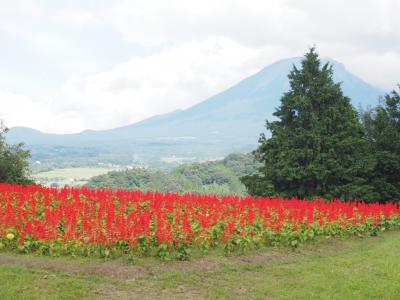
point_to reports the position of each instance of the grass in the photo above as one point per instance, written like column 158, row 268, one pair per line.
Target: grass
column 25, row 283
column 351, row 268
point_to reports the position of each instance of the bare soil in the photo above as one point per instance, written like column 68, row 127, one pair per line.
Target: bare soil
column 119, row 269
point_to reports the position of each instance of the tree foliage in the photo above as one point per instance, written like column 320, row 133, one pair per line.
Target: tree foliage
column 317, row 146
column 14, row 165
column 212, row 177
column 382, row 127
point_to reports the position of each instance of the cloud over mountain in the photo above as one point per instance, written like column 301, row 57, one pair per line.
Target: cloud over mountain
column 100, row 64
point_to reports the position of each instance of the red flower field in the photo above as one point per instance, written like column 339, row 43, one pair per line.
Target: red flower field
column 104, row 222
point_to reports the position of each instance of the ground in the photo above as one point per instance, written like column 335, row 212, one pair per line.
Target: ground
column 347, row 268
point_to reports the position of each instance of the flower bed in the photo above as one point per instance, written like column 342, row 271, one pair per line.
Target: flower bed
column 109, row 223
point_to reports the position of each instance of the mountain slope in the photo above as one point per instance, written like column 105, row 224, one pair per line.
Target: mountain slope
column 229, row 121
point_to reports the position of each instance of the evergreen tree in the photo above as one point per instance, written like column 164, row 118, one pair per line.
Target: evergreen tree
column 14, row 166
column 317, row 146
column 382, row 126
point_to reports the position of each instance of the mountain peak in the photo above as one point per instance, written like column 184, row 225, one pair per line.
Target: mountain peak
column 227, row 122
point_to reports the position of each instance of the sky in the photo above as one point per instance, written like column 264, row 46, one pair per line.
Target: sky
column 67, row 66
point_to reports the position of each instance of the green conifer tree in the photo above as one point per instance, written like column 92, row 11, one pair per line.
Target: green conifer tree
column 317, row 146
column 382, row 126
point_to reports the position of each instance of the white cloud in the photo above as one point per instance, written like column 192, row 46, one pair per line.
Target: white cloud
column 204, row 47
column 75, row 18
column 386, row 66
column 252, row 22
column 174, row 78
column 259, row 22
column 20, row 110
column 367, row 28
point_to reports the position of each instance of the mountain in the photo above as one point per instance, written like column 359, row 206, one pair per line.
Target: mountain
column 230, row 121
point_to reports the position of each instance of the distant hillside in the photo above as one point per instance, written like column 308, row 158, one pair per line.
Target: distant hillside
column 230, row 121
column 213, row 177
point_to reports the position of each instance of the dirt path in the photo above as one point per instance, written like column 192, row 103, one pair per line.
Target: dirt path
column 121, row 270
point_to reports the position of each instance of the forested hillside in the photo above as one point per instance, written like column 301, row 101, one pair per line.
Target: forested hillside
column 213, row 177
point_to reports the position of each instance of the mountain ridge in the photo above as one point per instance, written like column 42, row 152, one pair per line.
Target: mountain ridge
column 231, row 119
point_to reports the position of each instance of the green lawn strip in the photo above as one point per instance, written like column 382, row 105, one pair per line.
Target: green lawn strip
column 347, row 268
column 21, row 282
column 363, row 269
column 18, row 282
